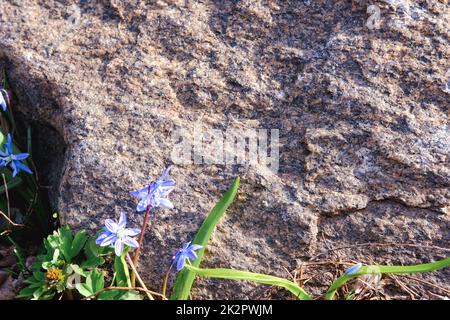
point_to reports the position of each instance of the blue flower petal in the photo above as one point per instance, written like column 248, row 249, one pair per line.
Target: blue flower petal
column 8, row 144
column 142, row 205
column 130, row 242
column 186, row 245
column 20, row 156
column 165, row 173
column 195, row 247
column 180, row 262
column 132, row 232
column 110, row 239
column 186, row 252
column 118, row 247
column 191, row 255
column 140, row 193
column 15, row 170
column 353, row 269
column 155, row 194
column 21, row 166
column 122, row 221
column 101, row 237
column 166, row 203
column 167, row 183
column 111, row 226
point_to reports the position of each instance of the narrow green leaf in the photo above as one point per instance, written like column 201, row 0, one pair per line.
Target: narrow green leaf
column 121, row 271
column 377, row 269
column 222, row 273
column 185, row 278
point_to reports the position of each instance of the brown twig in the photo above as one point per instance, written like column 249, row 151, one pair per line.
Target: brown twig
column 10, row 221
column 133, row 267
column 7, row 194
column 166, row 278
column 378, row 244
column 428, row 283
column 402, row 285
column 8, row 216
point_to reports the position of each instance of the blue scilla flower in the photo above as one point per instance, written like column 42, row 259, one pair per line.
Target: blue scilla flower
column 13, row 160
column 155, row 194
column 187, row 252
column 117, row 235
column 353, row 269
column 2, row 99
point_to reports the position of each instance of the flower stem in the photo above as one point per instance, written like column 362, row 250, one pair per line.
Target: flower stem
column 165, row 280
column 138, row 277
column 141, row 240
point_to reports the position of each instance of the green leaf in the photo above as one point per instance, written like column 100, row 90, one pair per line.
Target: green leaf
column 120, row 295
column 221, row 273
column 185, row 278
column 121, row 271
column 55, row 256
column 96, row 280
column 26, row 292
column 93, row 250
column 378, row 269
column 38, row 292
column 77, row 269
column 39, row 276
column 131, row 295
column 92, row 262
column 77, row 244
column 84, row 289
column 109, row 295
column 66, row 239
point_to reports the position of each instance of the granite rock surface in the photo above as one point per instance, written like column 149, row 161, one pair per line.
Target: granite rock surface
column 361, row 102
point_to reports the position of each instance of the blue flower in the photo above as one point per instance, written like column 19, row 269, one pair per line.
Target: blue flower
column 2, row 99
column 187, row 252
column 155, row 194
column 13, row 160
column 353, row 269
column 117, row 235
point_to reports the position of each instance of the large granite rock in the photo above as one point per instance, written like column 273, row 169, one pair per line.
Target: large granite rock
column 361, row 104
